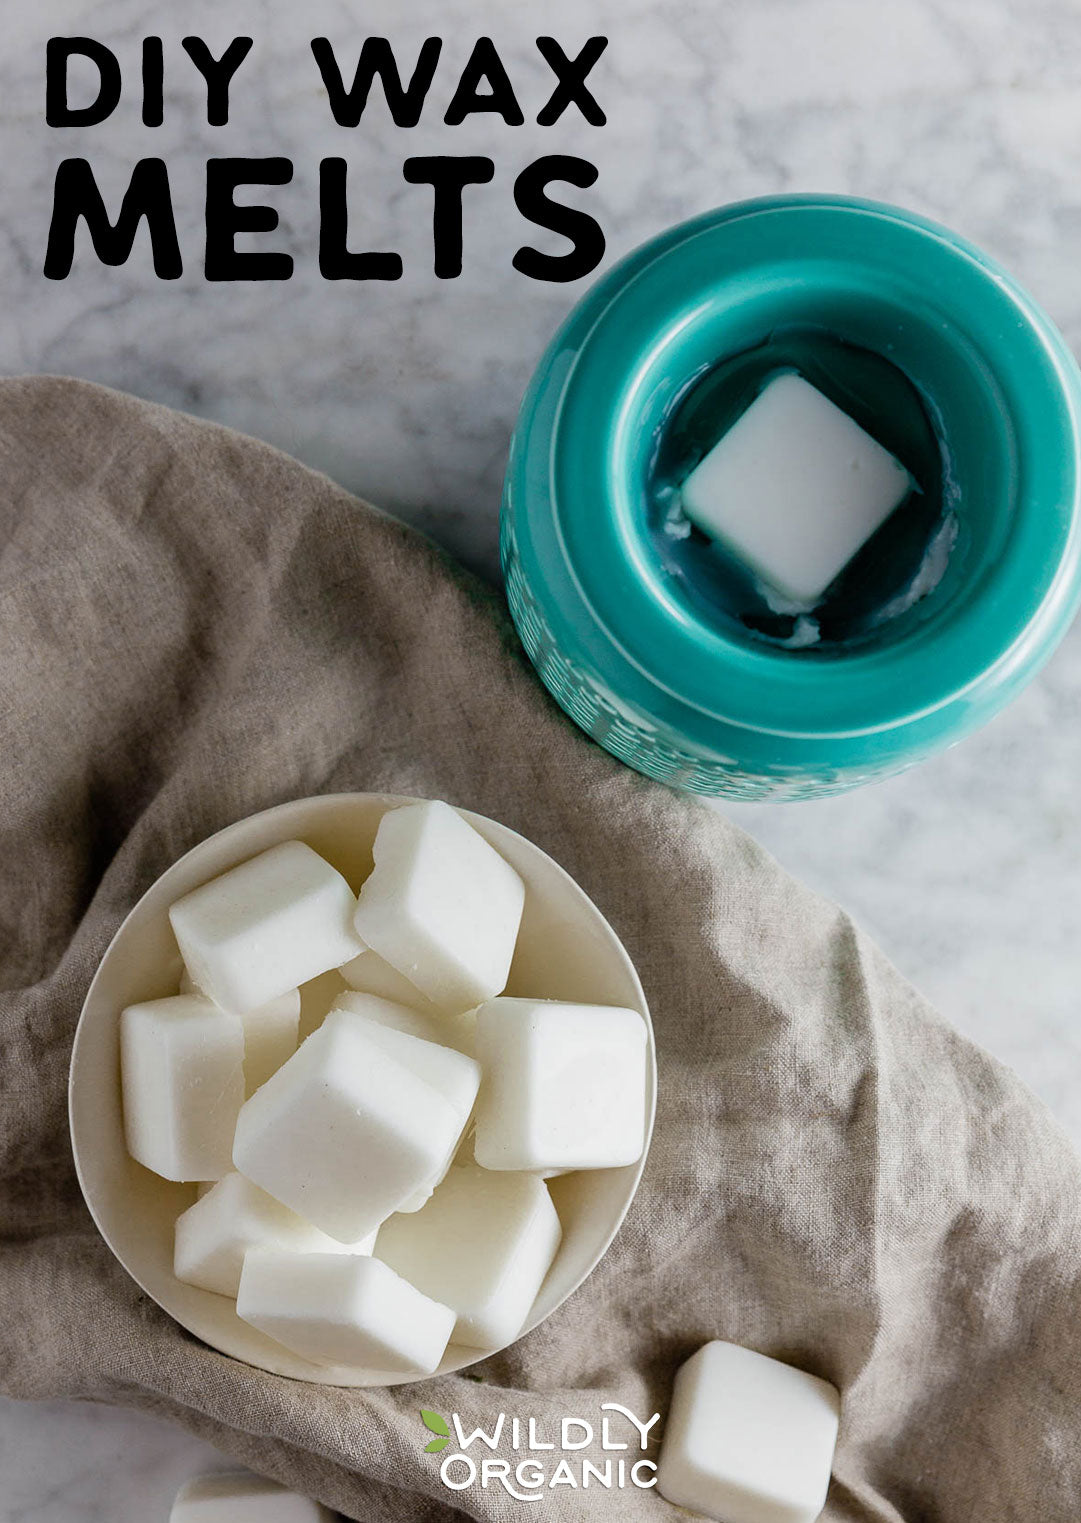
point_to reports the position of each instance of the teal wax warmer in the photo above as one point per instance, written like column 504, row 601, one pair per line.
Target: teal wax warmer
column 636, row 652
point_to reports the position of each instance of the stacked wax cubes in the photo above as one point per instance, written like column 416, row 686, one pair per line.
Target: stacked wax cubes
column 381, row 1189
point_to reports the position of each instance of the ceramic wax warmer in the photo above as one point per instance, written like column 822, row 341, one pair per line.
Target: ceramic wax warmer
column 640, row 655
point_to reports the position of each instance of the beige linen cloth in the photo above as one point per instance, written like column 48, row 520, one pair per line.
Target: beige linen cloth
column 194, row 627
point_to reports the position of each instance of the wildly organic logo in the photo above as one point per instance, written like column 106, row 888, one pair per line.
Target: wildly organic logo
column 536, row 1463
column 435, row 1424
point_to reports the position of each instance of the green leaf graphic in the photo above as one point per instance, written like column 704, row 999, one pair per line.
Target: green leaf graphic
column 435, row 1445
column 434, row 1422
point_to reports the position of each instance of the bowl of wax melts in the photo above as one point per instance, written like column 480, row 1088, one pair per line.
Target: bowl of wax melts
column 793, row 498
column 362, row 1089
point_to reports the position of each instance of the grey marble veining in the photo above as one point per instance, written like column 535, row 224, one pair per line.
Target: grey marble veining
column 968, row 870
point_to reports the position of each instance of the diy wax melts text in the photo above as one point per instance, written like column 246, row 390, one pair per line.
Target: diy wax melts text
column 86, row 84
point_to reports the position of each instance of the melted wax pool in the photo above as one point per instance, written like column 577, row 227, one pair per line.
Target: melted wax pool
column 894, row 571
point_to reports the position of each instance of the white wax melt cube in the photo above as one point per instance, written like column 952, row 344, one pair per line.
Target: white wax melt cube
column 265, row 927
column 359, row 1120
column 270, row 1037
column 483, row 1245
column 235, row 1216
column 794, row 489
column 242, row 1498
column 182, row 1072
column 457, row 1031
column 270, row 1034
column 368, row 973
column 748, row 1439
column 343, row 1310
column 564, row 1085
column 441, row 905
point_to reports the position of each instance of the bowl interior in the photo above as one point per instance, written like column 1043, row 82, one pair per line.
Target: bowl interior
column 566, row 950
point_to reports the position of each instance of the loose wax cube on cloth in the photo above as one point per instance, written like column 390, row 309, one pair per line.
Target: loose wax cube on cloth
column 265, row 927
column 441, row 905
column 342, row 1309
column 233, row 1217
column 182, row 1073
column 794, row 489
column 483, row 1245
column 360, row 1119
column 457, row 1031
column 270, row 1034
column 748, row 1439
column 243, row 1498
column 564, row 1085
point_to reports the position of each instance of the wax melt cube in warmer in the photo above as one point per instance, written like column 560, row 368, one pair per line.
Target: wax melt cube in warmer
column 182, row 1073
column 564, row 1085
column 233, row 1217
column 360, row 1119
column 795, row 488
column 270, row 1034
column 338, row 1309
column 441, row 905
column 243, row 1498
column 457, row 1031
column 483, row 1245
column 265, row 927
column 748, row 1439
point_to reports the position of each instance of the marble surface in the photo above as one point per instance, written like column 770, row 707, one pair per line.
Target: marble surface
column 968, row 870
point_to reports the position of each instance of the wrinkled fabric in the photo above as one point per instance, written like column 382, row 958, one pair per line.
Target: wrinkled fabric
column 194, row 627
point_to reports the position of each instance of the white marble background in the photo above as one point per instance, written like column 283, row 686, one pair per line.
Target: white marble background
column 969, row 870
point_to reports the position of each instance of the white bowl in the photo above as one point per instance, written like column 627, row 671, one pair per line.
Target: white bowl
column 566, row 950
